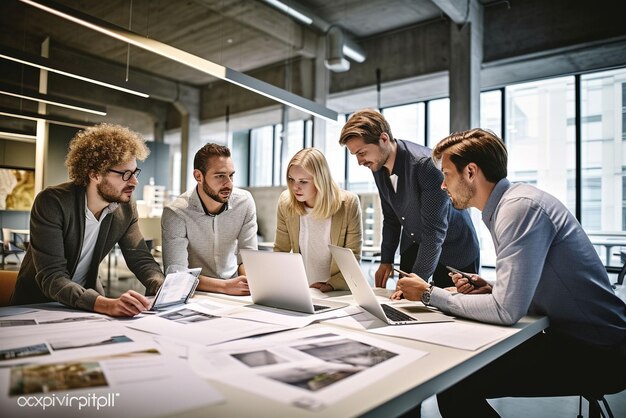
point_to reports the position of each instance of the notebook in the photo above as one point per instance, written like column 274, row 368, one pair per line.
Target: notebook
column 176, row 290
column 366, row 298
column 278, row 280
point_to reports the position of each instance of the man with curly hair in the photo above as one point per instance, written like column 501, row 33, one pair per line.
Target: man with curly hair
column 74, row 225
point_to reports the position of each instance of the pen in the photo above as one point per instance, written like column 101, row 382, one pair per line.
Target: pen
column 401, row 272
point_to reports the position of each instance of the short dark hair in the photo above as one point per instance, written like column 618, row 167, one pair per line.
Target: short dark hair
column 201, row 159
column 368, row 124
column 479, row 146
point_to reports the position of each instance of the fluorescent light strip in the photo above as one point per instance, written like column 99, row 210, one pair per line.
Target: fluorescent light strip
column 51, row 101
column 38, row 116
column 290, row 11
column 18, row 137
column 73, row 75
column 352, row 53
column 193, row 61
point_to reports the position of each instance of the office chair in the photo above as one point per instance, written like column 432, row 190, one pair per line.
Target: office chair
column 622, row 273
column 7, row 284
column 8, row 248
column 595, row 408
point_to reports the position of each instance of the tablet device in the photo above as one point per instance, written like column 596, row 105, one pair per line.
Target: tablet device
column 176, row 290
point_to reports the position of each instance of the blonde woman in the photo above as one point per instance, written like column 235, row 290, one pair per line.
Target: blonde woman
column 314, row 212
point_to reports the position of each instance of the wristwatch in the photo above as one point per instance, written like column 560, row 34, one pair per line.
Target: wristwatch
column 426, row 295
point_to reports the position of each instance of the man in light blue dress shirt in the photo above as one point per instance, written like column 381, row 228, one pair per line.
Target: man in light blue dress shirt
column 545, row 265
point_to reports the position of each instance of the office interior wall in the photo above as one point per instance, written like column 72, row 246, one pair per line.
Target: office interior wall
column 16, row 154
column 266, row 200
column 157, row 166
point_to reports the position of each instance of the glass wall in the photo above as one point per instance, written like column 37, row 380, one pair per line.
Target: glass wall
column 491, row 111
column 540, row 130
column 540, row 136
column 407, row 122
column 335, row 153
column 261, row 156
column 438, row 121
column 490, row 118
column 603, row 165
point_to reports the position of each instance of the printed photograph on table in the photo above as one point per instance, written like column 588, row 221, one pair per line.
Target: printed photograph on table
column 47, row 378
column 17, row 188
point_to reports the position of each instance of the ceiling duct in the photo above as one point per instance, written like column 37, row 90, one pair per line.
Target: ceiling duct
column 339, row 45
column 335, row 60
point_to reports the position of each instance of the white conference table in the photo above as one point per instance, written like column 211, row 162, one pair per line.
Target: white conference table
column 387, row 397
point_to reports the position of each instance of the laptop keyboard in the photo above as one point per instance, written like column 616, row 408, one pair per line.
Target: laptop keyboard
column 396, row 315
column 319, row 307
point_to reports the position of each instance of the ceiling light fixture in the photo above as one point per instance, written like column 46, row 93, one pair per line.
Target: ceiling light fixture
column 21, row 114
column 43, row 63
column 193, row 61
column 18, row 137
column 29, row 94
column 291, row 11
column 351, row 51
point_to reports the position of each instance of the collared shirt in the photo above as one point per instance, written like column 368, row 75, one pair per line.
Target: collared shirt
column 545, row 265
column 193, row 238
column 417, row 211
column 92, row 229
column 204, row 208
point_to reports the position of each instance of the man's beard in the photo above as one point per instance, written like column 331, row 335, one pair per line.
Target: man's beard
column 380, row 163
column 109, row 194
column 465, row 192
column 215, row 195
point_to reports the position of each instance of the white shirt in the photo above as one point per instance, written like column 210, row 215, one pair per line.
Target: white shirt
column 191, row 238
column 314, row 240
column 92, row 229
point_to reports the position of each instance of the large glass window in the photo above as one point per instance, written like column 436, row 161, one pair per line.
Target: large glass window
column 603, row 132
column 490, row 118
column 335, row 153
column 438, row 121
column 491, row 111
column 406, row 122
column 261, row 156
column 240, row 151
column 540, row 136
column 603, row 111
column 294, row 143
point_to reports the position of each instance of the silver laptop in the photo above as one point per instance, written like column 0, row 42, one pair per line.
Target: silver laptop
column 279, row 280
column 366, row 298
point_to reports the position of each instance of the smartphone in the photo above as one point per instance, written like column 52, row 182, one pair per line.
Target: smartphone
column 466, row 275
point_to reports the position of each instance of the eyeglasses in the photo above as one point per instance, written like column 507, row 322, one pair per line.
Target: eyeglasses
column 126, row 175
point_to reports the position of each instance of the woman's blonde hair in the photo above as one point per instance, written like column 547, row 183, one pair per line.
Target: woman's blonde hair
column 328, row 198
column 100, row 147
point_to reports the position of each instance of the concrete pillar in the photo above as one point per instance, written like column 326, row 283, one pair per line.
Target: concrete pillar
column 187, row 103
column 41, row 145
column 466, row 54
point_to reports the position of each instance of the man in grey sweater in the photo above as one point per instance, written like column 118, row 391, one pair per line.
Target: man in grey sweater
column 545, row 265
column 208, row 225
column 74, row 225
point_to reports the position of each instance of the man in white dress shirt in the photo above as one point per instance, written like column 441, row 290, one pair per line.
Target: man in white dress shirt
column 208, row 225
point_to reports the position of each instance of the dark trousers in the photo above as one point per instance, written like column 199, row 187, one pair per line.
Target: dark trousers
column 440, row 276
column 546, row 365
